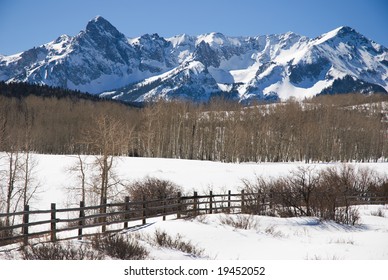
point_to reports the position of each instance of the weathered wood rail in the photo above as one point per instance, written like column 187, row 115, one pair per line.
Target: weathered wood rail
column 57, row 224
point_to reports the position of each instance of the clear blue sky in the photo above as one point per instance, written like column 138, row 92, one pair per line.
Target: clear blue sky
column 28, row 23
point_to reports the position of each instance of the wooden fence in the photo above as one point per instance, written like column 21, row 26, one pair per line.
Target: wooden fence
column 84, row 221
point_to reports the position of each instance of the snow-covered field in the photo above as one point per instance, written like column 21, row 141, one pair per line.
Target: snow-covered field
column 201, row 176
column 267, row 238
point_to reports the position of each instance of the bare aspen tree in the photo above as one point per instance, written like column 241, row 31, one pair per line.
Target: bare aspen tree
column 79, row 168
column 108, row 139
column 29, row 164
column 11, row 188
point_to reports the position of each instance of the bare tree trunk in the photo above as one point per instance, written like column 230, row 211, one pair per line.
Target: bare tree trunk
column 13, row 162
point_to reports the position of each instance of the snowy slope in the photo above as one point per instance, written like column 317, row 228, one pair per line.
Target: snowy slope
column 280, row 238
column 268, row 238
column 101, row 59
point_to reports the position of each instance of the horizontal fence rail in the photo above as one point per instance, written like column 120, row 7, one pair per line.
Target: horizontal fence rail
column 57, row 224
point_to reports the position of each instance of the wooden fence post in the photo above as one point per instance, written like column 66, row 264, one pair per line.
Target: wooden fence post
column 164, row 207
column 126, row 215
column 229, row 201
column 81, row 222
column 103, row 227
column 25, row 224
column 242, row 201
column 179, row 197
column 144, row 210
column 53, row 223
column 211, row 202
column 259, row 206
column 195, row 205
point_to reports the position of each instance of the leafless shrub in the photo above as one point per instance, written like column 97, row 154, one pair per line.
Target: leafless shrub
column 258, row 196
column 381, row 189
column 378, row 213
column 152, row 189
column 202, row 219
column 343, row 241
column 4, row 233
column 59, row 251
column 318, row 257
column 161, row 192
column 337, row 188
column 327, row 194
column 119, row 247
column 239, row 221
column 348, row 216
column 163, row 239
column 271, row 230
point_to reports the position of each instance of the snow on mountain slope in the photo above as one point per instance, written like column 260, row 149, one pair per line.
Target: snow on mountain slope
column 190, row 81
column 101, row 59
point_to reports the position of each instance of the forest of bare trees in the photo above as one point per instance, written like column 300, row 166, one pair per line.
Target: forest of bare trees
column 343, row 128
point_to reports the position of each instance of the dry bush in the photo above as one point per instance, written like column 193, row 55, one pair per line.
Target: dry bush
column 202, row 219
column 154, row 189
column 342, row 241
column 347, row 216
column 378, row 213
column 381, row 189
column 163, row 239
column 4, row 233
column 327, row 194
column 258, row 196
column 239, row 221
column 337, row 189
column 59, row 251
column 119, row 247
column 271, row 230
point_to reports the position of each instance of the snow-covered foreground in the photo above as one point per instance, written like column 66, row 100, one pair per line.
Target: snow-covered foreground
column 267, row 238
column 281, row 238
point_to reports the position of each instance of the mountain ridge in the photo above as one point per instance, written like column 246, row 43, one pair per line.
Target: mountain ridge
column 102, row 60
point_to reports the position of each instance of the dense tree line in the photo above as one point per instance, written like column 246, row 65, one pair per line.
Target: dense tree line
column 20, row 90
column 327, row 128
column 289, row 131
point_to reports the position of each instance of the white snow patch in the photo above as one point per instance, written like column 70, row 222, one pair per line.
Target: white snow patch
column 285, row 89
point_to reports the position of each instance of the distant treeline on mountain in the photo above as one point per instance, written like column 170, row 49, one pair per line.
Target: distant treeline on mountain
column 346, row 127
column 20, row 90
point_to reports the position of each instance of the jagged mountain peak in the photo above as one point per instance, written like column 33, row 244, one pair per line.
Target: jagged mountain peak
column 100, row 27
column 151, row 39
column 343, row 34
column 153, row 36
column 181, row 40
column 218, row 40
column 345, row 30
column 147, row 41
column 206, row 55
column 97, row 22
column 62, row 38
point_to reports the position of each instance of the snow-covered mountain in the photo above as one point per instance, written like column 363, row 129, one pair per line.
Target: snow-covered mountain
column 102, row 60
